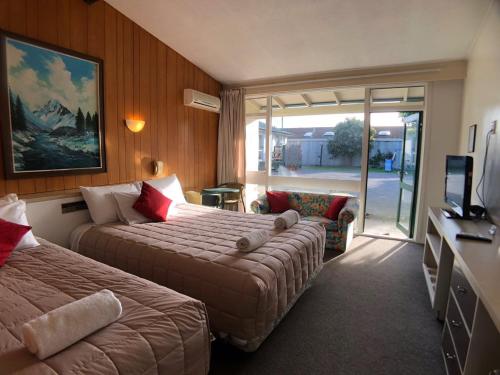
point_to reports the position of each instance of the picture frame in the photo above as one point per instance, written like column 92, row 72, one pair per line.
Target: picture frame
column 52, row 118
column 471, row 146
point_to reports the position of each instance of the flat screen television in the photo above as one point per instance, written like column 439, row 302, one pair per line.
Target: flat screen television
column 458, row 184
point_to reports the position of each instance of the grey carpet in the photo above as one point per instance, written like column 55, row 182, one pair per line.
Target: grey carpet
column 367, row 313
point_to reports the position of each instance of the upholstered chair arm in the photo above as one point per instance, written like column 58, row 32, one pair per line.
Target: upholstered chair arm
column 260, row 205
column 349, row 212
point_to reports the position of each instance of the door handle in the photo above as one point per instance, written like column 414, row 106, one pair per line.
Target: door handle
column 461, row 290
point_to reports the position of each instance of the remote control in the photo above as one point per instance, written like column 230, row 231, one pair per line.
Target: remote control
column 474, row 236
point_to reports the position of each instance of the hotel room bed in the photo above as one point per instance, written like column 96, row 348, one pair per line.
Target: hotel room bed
column 160, row 331
column 194, row 252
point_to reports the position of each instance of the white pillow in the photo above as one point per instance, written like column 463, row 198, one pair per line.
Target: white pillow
column 101, row 204
column 8, row 198
column 14, row 210
column 169, row 187
column 126, row 213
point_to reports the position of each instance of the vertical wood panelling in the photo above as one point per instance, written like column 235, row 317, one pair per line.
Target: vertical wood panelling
column 180, row 118
column 110, row 93
column 128, row 72
column 206, row 136
column 198, row 131
column 153, row 102
column 120, row 99
column 136, row 88
column 162, row 138
column 143, row 79
column 144, row 98
column 190, row 156
column 172, row 142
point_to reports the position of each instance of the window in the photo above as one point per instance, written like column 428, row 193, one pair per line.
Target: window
column 326, row 146
column 314, row 140
column 318, row 135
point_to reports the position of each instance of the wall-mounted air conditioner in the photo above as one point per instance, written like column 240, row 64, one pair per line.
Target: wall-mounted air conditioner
column 196, row 99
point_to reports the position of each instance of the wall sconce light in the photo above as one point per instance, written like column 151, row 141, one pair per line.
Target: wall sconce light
column 135, row 126
column 157, row 167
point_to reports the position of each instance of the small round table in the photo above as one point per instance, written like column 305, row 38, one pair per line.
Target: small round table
column 221, row 191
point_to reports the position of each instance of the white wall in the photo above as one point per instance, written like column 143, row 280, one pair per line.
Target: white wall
column 441, row 134
column 482, row 92
column 47, row 220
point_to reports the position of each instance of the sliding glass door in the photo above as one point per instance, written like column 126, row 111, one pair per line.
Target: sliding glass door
column 359, row 141
column 409, row 172
column 393, row 162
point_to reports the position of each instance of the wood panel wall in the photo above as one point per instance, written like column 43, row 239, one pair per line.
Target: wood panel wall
column 143, row 79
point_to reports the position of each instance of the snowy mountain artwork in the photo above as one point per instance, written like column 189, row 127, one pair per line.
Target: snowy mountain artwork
column 53, row 110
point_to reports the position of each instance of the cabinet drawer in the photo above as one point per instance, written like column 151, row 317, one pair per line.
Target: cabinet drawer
column 450, row 358
column 464, row 294
column 457, row 330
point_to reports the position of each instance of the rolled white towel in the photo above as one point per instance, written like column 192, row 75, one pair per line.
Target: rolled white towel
column 64, row 326
column 252, row 240
column 286, row 219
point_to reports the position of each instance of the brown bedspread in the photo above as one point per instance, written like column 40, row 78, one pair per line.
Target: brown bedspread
column 194, row 252
column 159, row 332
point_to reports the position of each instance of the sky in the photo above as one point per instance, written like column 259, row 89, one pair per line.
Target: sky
column 37, row 75
column 319, row 121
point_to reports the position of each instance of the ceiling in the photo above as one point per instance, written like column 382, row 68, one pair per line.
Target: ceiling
column 239, row 41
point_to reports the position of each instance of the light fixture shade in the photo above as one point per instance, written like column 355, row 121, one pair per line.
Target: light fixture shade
column 135, row 126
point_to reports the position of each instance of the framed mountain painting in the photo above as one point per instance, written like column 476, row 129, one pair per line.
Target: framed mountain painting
column 51, row 102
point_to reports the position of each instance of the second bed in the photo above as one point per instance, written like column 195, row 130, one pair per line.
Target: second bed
column 194, row 252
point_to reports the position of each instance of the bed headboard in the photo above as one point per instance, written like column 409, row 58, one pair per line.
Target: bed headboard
column 55, row 217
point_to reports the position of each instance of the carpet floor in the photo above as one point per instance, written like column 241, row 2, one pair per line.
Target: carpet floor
column 368, row 312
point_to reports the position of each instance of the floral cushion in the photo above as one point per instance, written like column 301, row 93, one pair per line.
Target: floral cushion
column 309, row 204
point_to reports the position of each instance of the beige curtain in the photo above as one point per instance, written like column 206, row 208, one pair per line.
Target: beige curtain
column 231, row 144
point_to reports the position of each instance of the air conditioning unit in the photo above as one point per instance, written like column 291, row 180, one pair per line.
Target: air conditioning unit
column 196, row 99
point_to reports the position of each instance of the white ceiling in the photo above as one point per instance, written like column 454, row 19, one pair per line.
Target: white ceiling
column 237, row 41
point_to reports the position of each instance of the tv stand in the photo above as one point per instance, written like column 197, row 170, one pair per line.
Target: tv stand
column 463, row 278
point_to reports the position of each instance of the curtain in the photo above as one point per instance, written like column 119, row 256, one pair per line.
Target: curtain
column 231, row 142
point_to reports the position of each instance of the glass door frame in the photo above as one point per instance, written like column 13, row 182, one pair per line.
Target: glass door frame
column 369, row 109
column 404, row 186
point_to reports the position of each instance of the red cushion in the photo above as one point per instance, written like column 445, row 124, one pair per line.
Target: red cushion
column 152, row 204
column 10, row 235
column 336, row 205
column 278, row 201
